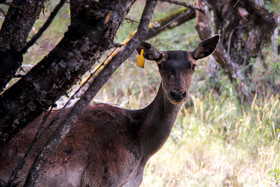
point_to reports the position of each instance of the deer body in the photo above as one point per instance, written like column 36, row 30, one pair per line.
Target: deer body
column 110, row 146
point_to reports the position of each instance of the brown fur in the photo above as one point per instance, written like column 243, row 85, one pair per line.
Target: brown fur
column 110, row 146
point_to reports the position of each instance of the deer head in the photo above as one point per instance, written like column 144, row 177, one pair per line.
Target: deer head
column 177, row 67
column 89, row 154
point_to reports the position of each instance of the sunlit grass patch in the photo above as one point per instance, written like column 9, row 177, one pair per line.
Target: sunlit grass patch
column 215, row 140
column 219, row 143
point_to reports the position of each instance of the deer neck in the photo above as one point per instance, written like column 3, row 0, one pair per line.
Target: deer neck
column 157, row 120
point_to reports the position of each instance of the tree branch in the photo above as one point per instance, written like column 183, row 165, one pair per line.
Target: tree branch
column 79, row 107
column 265, row 23
column 85, row 41
column 222, row 57
column 44, row 27
column 170, row 21
column 194, row 7
column 13, row 35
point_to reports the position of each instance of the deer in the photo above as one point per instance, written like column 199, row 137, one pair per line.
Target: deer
column 110, row 146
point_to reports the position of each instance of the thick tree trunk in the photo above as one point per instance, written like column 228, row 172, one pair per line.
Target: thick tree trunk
column 92, row 30
column 13, row 35
column 80, row 106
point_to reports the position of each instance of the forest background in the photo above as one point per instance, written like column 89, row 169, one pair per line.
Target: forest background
column 217, row 140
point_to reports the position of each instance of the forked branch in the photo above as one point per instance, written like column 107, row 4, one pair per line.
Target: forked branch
column 170, row 21
column 79, row 107
column 44, row 27
column 194, row 7
column 233, row 70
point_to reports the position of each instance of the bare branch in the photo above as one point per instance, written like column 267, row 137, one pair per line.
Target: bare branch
column 170, row 21
column 44, row 27
column 194, row 7
column 70, row 60
column 263, row 29
column 79, row 107
column 236, row 3
column 233, row 70
column 130, row 20
column 13, row 35
column 22, row 161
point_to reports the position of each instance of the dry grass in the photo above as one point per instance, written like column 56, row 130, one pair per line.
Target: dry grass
column 220, row 145
column 216, row 142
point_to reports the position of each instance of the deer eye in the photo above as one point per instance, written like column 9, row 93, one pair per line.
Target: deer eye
column 193, row 66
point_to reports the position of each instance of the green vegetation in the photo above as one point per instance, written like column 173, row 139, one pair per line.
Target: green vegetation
column 216, row 141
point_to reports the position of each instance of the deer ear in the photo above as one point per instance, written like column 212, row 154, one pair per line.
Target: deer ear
column 150, row 52
column 206, row 47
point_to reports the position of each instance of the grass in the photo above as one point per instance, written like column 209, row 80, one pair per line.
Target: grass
column 215, row 140
column 218, row 143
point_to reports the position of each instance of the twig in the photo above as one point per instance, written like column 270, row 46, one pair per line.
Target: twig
column 79, row 107
column 21, row 163
column 235, row 3
column 170, row 21
column 132, row 21
column 195, row 7
column 204, row 30
column 44, row 27
column 41, row 131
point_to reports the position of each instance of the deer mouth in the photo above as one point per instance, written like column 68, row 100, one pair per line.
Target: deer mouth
column 176, row 102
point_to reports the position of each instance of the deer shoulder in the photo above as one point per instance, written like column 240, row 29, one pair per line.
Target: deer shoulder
column 110, row 146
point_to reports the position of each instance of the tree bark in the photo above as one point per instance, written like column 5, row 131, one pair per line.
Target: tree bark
column 170, row 21
column 92, row 30
column 79, row 107
column 173, row 20
column 13, row 35
column 245, row 26
column 222, row 57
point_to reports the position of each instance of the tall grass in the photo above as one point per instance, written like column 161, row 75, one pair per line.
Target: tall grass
column 215, row 140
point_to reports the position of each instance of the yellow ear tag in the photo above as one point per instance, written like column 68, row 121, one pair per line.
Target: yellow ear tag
column 140, row 59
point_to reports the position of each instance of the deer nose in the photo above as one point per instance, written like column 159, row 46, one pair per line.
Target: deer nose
column 178, row 95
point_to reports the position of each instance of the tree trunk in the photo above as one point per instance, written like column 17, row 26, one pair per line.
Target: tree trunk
column 80, row 106
column 91, row 32
column 245, row 26
column 13, row 35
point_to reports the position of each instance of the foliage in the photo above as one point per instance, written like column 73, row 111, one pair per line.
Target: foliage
column 216, row 141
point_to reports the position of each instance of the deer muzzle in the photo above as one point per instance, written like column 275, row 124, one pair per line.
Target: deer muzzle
column 178, row 96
